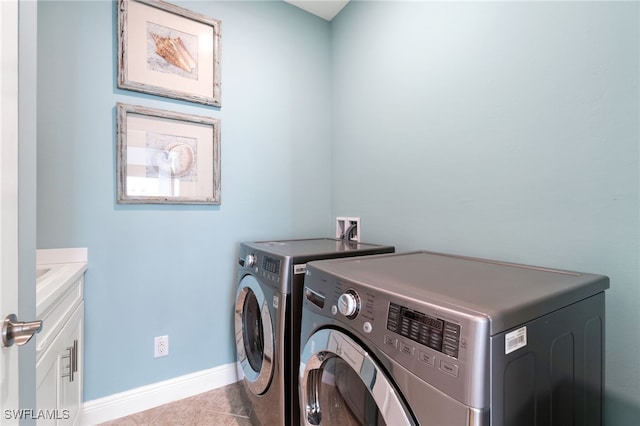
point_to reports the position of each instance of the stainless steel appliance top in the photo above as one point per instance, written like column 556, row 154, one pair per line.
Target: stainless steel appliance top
column 277, row 262
column 317, row 248
column 508, row 294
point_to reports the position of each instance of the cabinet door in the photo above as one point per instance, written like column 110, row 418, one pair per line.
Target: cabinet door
column 47, row 383
column 70, row 373
column 59, row 384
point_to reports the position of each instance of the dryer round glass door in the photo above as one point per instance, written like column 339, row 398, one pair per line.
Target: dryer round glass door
column 342, row 384
column 254, row 335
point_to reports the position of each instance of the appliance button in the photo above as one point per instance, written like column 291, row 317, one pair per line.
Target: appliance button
column 450, row 350
column 427, row 358
column 409, row 350
column 390, row 341
column 334, row 310
column 452, row 328
column 367, row 327
column 451, row 369
column 450, row 340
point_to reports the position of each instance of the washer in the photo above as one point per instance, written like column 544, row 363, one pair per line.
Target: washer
column 435, row 339
column 267, row 318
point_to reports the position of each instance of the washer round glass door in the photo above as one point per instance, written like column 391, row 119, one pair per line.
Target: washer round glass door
column 254, row 335
column 342, row 384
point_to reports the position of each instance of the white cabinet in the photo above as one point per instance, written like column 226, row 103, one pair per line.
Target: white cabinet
column 59, row 375
column 59, row 350
column 69, row 371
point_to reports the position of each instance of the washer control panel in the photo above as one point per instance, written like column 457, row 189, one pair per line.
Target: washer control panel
column 271, row 264
column 272, row 269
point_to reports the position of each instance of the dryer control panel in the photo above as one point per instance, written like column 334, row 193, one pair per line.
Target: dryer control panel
column 445, row 347
column 433, row 332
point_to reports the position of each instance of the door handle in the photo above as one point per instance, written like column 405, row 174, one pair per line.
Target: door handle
column 18, row 332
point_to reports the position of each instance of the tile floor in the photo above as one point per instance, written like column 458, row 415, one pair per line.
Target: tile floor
column 225, row 406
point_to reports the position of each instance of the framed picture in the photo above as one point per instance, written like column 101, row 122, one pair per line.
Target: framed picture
column 166, row 157
column 168, row 51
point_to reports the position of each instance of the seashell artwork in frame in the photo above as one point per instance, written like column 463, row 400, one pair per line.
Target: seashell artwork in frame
column 166, row 157
column 169, row 51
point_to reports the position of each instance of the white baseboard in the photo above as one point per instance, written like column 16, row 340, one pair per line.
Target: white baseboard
column 149, row 396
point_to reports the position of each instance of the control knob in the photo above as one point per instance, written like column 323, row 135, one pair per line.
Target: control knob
column 349, row 304
column 250, row 261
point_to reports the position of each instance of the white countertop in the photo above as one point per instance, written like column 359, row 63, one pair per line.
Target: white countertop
column 60, row 268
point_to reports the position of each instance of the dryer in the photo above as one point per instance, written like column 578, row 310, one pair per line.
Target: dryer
column 268, row 307
column 434, row 339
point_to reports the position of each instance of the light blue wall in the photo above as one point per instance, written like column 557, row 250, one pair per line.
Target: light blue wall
column 501, row 130
column 157, row 270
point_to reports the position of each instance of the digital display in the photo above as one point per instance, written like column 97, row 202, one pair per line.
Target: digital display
column 271, row 265
column 423, row 319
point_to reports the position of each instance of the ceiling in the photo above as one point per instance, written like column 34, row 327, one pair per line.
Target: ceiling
column 326, row 9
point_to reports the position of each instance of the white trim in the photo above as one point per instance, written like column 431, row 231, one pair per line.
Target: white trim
column 64, row 255
column 149, row 396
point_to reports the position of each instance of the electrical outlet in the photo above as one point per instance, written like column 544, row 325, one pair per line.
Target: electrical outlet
column 160, row 346
column 343, row 224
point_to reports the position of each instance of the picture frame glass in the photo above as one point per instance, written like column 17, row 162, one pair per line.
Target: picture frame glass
column 166, row 158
